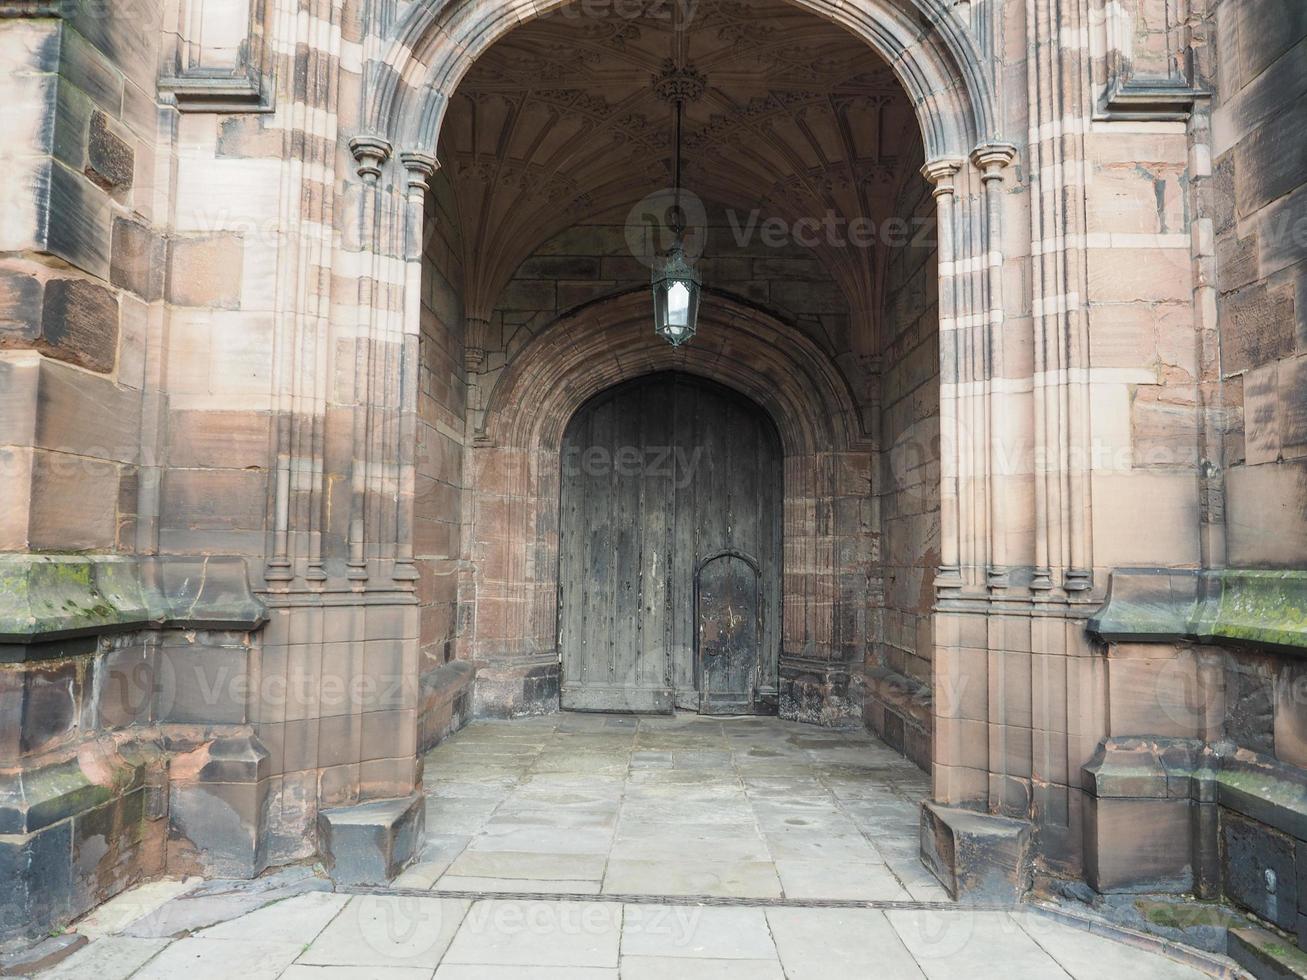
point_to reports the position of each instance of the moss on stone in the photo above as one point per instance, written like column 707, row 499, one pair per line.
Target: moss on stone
column 51, row 596
column 1189, row 915
column 1273, row 947
column 1265, row 607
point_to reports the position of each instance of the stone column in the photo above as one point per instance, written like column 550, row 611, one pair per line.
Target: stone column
column 371, row 154
column 942, row 174
column 1059, row 114
column 992, row 159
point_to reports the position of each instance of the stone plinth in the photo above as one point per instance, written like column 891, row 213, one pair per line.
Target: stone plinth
column 369, row 844
column 977, row 856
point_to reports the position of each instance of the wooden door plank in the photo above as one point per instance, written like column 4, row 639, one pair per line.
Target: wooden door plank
column 684, row 552
column 625, row 480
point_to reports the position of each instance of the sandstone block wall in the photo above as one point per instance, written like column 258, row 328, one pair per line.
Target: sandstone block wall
column 444, row 697
column 82, row 277
column 1259, row 193
column 898, row 703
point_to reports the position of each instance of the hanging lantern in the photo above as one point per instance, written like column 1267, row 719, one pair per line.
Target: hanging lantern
column 676, row 284
column 676, row 297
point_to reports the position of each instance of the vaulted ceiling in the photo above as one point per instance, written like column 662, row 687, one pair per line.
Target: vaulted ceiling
column 559, row 123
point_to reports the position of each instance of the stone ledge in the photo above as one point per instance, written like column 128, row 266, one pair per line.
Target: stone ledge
column 33, row 799
column 1131, row 100
column 77, row 829
column 815, row 691
column 906, row 695
column 224, row 93
column 369, row 843
column 1265, row 955
column 978, row 857
column 1202, row 818
column 444, row 702
column 75, row 832
column 35, row 8
column 517, row 687
column 1257, row 607
column 42, row 955
column 1254, row 785
column 47, row 600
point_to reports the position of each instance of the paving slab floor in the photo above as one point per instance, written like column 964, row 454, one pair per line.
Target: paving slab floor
column 672, row 806
column 331, row 936
column 579, row 847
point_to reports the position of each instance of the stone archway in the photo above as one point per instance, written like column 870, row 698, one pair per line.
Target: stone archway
column 263, row 295
column 410, row 75
column 935, row 60
column 986, row 468
column 514, row 475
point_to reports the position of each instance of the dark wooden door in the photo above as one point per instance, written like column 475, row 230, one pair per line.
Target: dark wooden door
column 729, row 619
column 659, row 475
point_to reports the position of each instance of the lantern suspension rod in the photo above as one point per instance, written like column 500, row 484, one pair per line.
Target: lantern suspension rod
column 676, row 172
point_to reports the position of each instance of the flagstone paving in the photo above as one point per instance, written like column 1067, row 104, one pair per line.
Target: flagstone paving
column 678, row 847
column 328, row 936
column 672, row 806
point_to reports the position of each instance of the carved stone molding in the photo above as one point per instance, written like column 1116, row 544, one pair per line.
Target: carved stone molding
column 1148, row 60
column 420, row 167
column 219, row 62
column 371, row 154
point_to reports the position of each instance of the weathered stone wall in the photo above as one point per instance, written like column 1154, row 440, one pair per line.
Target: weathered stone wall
column 1259, row 191
column 898, row 703
column 438, row 503
column 83, row 274
column 125, row 744
column 1215, row 695
column 168, row 356
column 125, row 716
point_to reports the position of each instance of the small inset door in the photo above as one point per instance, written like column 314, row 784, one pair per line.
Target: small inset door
column 728, row 603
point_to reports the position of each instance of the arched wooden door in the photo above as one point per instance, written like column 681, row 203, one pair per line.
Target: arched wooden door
column 729, row 624
column 671, row 485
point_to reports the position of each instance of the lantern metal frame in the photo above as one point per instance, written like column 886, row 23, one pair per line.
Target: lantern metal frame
column 676, row 271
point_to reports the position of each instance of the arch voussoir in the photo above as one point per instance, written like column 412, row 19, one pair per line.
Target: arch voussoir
column 430, row 49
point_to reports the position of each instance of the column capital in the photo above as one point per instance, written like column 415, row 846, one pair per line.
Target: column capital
column 420, row 167
column 992, row 158
column 370, row 154
column 941, row 173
